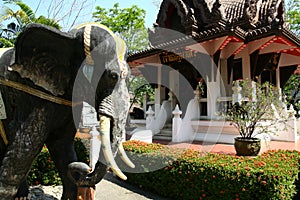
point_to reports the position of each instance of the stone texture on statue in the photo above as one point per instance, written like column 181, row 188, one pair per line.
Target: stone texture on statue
column 42, row 71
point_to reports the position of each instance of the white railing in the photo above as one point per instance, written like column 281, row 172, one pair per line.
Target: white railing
column 182, row 130
column 155, row 124
column 189, row 128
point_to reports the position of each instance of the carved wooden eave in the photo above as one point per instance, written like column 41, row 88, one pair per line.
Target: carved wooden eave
column 208, row 13
column 238, row 33
column 270, row 30
column 186, row 14
column 196, row 16
column 208, row 20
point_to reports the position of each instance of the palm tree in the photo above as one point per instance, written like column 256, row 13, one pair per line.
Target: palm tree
column 20, row 18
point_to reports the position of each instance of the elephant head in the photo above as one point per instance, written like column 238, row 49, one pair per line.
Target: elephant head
column 86, row 64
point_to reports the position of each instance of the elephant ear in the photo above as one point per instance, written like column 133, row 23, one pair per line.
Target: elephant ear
column 48, row 57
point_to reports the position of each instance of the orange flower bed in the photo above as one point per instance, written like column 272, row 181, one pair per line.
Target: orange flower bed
column 188, row 174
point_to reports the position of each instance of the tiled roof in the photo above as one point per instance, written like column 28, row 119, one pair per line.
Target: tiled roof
column 197, row 15
column 234, row 9
column 245, row 19
column 215, row 33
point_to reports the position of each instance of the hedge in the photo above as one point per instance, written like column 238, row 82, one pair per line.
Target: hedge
column 188, row 174
column 43, row 170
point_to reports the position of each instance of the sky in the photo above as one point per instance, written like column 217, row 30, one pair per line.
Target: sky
column 148, row 5
column 151, row 9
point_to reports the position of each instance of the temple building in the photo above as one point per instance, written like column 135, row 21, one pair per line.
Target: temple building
column 199, row 48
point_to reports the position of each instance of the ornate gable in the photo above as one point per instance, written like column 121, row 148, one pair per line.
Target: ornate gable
column 193, row 16
column 176, row 15
column 208, row 13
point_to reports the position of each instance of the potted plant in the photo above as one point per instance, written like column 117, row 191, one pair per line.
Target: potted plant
column 256, row 109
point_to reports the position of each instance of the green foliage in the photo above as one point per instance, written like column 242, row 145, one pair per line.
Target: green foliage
column 43, row 170
column 82, row 149
column 49, row 22
column 4, row 43
column 259, row 105
column 292, row 92
column 129, row 23
column 140, row 88
column 19, row 19
column 293, row 14
column 194, row 175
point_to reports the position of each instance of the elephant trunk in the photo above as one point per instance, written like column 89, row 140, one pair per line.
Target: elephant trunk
column 80, row 172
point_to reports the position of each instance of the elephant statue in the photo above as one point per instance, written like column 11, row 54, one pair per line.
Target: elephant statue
column 44, row 80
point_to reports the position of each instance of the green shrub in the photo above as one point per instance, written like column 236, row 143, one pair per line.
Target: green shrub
column 189, row 174
column 82, row 147
column 43, row 170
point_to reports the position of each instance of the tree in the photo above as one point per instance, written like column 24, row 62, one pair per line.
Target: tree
column 293, row 15
column 69, row 13
column 292, row 92
column 18, row 21
column 128, row 23
column 25, row 15
column 257, row 111
column 140, row 89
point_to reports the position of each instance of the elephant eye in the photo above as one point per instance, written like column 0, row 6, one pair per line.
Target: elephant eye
column 114, row 75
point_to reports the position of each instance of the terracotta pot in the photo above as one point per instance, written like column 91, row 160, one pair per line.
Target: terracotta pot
column 247, row 146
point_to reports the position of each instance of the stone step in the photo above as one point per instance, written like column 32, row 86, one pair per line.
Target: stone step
column 168, row 126
column 161, row 137
column 165, row 134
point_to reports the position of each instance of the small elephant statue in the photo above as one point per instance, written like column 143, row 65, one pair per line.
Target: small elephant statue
column 44, row 80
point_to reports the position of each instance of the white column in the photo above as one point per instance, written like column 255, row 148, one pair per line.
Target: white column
column 246, row 66
column 157, row 94
column 278, row 77
column 213, row 93
column 145, row 105
column 157, row 100
column 176, row 124
column 174, row 86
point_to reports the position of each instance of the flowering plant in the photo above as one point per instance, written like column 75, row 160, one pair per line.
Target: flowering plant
column 216, row 176
column 259, row 109
column 239, row 82
column 200, row 86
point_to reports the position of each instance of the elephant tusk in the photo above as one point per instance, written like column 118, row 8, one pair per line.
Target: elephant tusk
column 106, row 148
column 124, row 156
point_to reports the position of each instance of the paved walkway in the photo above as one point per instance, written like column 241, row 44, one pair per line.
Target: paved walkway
column 112, row 188
column 229, row 148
